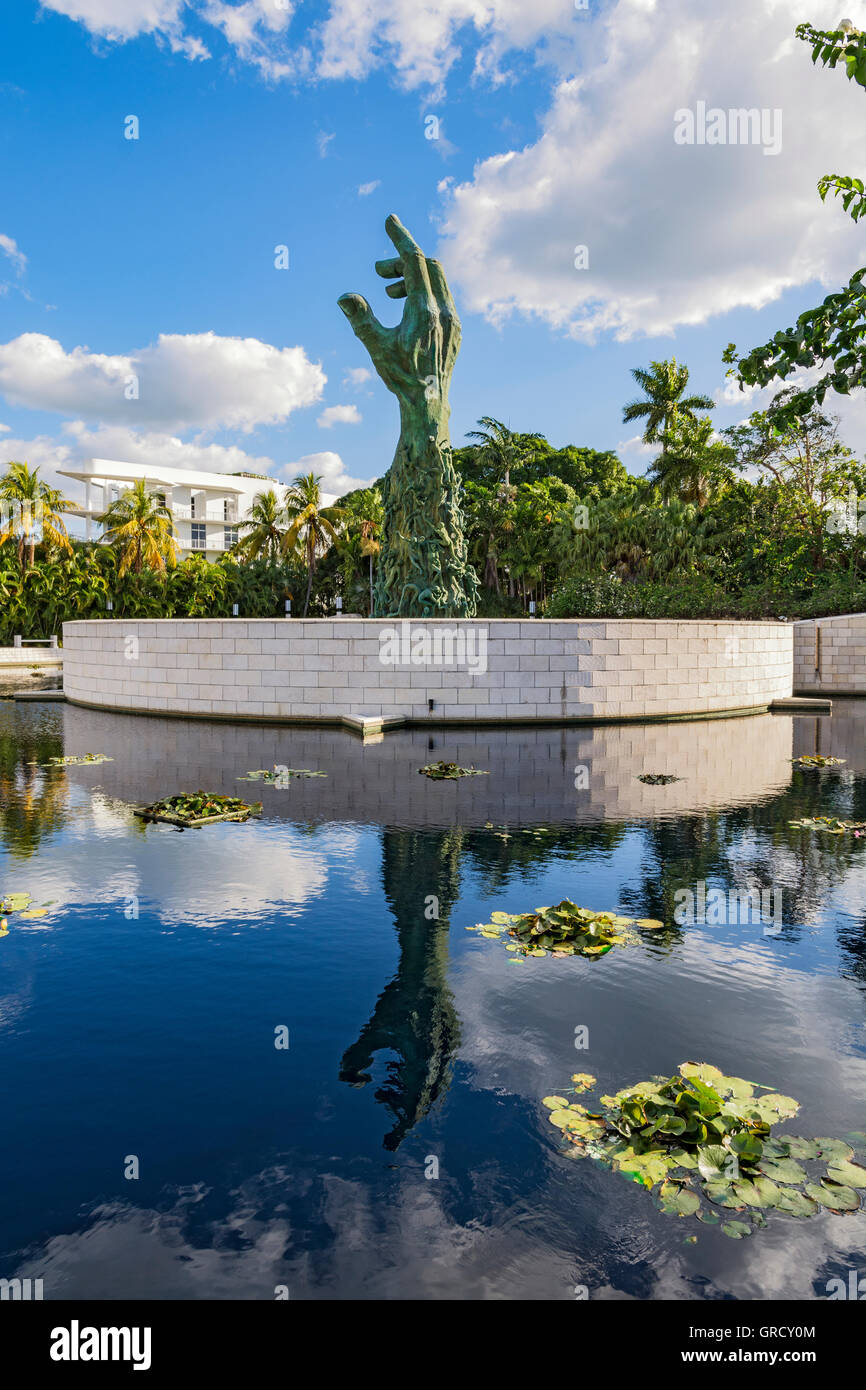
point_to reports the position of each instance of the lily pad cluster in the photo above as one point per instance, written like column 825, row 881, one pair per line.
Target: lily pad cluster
column 278, row 774
column 442, row 772
column 703, row 1143
column 19, row 903
column 78, row 760
column 830, row 825
column 198, row 808
column 563, row 930
column 658, row 779
column 817, row 760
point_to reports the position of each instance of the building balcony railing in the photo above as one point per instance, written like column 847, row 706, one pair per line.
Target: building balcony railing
column 184, row 512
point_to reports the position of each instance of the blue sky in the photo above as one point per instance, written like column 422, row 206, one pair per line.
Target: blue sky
column 305, row 126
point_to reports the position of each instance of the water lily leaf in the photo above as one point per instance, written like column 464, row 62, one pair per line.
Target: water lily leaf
column 710, row 1218
column 672, row 1124
column 839, row 1198
column 775, row 1107
column 834, row 1149
column 649, row 924
column 758, row 1192
column 747, row 1147
column 737, row 1230
column 563, row 1119
column 849, row 1174
column 500, row 917
column 798, row 1147
column 684, row 1159
column 704, row 1071
column 713, row 1162
column 555, row 1103
column 35, row 912
column 784, row 1170
column 779, row 1148
column 795, row 1203
column 647, row 1168
column 583, row 1081
column 676, row 1200
column 16, row 902
column 722, row 1194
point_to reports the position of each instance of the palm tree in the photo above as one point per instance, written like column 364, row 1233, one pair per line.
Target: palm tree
column 370, row 546
column 692, row 466
column 31, row 503
column 265, row 528
column 311, row 526
column 139, row 525
column 664, row 405
column 502, row 448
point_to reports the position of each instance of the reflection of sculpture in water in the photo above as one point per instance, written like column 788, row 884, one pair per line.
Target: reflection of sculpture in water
column 414, row 1018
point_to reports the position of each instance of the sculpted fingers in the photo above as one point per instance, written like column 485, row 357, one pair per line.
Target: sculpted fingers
column 364, row 322
column 412, row 264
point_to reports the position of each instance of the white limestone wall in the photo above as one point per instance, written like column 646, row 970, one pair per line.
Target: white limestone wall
column 500, row 669
column 830, row 655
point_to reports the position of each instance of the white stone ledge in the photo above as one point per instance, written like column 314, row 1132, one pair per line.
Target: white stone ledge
column 545, row 670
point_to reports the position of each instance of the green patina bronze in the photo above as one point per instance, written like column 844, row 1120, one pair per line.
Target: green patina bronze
column 424, row 571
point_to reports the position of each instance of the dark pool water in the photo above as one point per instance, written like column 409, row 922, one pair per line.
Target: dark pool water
column 138, row 1017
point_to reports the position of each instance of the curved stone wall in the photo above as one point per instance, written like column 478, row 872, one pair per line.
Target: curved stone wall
column 427, row 670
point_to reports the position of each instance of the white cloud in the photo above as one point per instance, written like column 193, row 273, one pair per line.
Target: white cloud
column 252, row 27
column 328, row 466
column 339, row 415
column 196, row 380
column 420, row 40
column 675, row 233
column 365, row 189
column 356, row 376
column 119, row 20
column 323, row 140
column 9, row 247
column 423, row 39
column 636, row 447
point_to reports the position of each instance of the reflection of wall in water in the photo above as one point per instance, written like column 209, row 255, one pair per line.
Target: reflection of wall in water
column 531, row 772
column 838, row 735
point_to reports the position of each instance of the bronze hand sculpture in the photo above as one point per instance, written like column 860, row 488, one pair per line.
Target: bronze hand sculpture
column 423, row 567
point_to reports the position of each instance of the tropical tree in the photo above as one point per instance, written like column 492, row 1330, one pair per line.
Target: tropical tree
column 665, row 404
column 692, row 466
column 502, row 451
column 311, row 527
column 810, row 471
column 140, row 527
column 265, row 528
column 633, row 536
column 27, row 504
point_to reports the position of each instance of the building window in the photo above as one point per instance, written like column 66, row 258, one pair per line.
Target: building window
column 198, row 539
column 231, row 536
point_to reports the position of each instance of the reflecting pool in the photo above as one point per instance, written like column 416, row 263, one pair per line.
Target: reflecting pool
column 398, row 1147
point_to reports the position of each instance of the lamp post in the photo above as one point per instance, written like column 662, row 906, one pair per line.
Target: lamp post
column 339, row 605
column 288, row 607
column 234, row 610
column 109, row 605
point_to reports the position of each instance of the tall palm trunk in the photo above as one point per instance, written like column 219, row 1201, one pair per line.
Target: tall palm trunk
column 311, row 561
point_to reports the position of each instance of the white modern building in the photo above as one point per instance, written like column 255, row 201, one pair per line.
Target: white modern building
column 206, row 507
